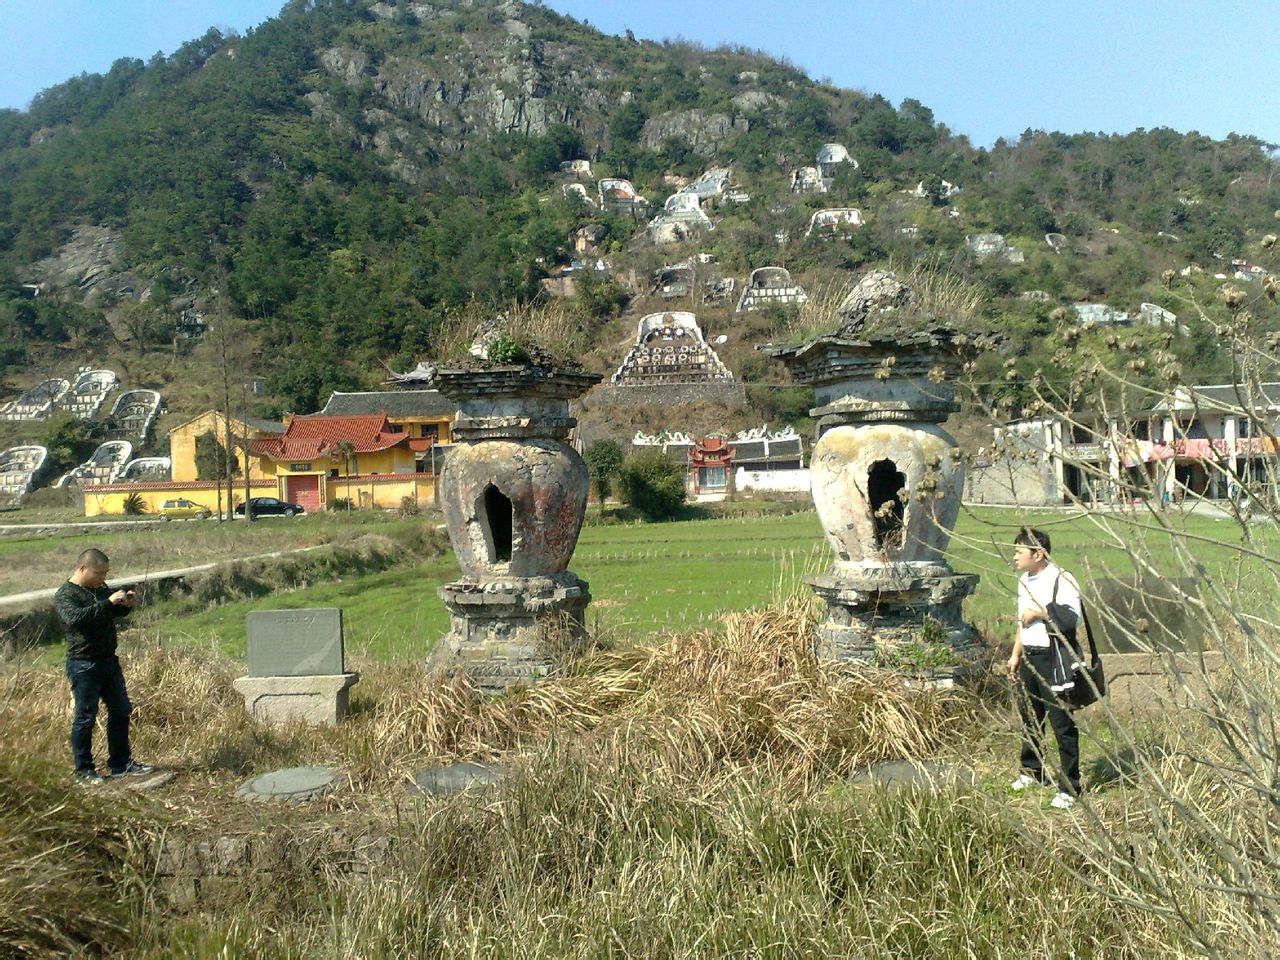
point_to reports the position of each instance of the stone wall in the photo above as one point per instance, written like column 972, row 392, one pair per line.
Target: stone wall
column 667, row 395
column 1012, row 481
column 205, row 871
column 772, row 481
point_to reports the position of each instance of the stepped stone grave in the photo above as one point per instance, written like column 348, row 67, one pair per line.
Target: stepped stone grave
column 296, row 667
column 38, row 402
column 807, row 180
column 291, row 785
column 1101, row 314
column 770, row 285
column 992, row 246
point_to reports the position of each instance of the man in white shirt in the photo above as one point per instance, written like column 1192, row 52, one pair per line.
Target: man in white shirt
column 1040, row 584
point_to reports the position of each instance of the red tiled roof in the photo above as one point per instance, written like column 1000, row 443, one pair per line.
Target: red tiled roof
column 315, row 436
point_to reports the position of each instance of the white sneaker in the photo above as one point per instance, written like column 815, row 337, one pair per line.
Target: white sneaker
column 1024, row 782
column 1062, row 801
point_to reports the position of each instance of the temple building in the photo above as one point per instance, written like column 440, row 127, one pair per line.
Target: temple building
column 717, row 465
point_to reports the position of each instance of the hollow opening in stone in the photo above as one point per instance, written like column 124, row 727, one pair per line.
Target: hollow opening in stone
column 496, row 519
column 884, row 480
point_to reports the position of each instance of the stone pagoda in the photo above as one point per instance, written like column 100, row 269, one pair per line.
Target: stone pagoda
column 514, row 496
column 887, row 481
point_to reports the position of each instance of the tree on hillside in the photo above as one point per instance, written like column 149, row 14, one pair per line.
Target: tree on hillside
column 69, row 441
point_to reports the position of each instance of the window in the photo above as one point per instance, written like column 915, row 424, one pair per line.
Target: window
column 711, row 478
column 496, row 519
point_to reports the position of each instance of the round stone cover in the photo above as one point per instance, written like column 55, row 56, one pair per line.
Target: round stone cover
column 453, row 778
column 930, row 774
column 291, row 785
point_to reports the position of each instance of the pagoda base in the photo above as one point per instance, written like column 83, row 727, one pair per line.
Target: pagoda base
column 901, row 620
column 511, row 632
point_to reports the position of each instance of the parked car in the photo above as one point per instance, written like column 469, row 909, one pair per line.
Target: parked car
column 181, row 509
column 270, row 507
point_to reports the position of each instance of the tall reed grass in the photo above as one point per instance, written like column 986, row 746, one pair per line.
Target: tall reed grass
column 690, row 798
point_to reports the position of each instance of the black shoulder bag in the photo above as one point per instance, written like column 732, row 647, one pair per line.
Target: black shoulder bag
column 1078, row 683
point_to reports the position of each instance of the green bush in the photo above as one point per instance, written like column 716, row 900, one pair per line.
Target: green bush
column 652, row 484
column 604, row 458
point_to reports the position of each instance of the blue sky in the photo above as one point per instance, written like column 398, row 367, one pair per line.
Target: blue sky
column 986, row 68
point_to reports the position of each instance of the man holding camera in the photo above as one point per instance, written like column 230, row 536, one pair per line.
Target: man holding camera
column 88, row 609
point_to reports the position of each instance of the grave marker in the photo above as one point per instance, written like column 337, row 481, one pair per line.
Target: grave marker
column 1138, row 614
column 295, row 643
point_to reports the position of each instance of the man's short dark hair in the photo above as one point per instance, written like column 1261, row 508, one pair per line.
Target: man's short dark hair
column 1033, row 538
column 93, row 557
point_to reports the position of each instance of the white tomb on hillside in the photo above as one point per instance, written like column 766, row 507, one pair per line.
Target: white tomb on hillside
column 834, row 220
column 104, row 466
column 670, row 348
column 770, row 285
column 38, row 402
column 808, row 180
column 20, row 469
column 134, row 413
column 90, row 388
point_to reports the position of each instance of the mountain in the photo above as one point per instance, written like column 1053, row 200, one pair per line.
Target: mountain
column 339, row 186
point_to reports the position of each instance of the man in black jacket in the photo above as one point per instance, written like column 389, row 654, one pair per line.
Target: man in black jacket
column 88, row 609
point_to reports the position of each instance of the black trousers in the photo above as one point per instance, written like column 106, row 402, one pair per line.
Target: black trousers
column 93, row 681
column 1035, row 702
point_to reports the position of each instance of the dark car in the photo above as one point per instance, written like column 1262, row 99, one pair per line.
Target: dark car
column 269, row 507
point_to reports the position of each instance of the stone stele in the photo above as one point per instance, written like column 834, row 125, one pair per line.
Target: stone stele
column 296, row 667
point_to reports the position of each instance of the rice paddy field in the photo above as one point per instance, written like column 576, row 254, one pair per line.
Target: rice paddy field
column 649, row 579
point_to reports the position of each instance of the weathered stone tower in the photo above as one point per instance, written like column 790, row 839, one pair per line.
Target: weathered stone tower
column 886, row 481
column 514, row 496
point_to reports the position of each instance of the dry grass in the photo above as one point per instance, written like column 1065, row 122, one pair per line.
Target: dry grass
column 682, row 799
column 695, row 707
column 937, row 293
column 551, row 329
column 941, row 293
column 817, row 315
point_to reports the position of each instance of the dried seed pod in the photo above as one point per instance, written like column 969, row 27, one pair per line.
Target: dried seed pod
column 1232, row 296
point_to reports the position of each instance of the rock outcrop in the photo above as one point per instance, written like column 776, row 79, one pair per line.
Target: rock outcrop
column 704, row 131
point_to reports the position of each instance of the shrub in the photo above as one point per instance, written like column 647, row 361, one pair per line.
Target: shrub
column 652, row 484
column 135, row 505
column 603, row 457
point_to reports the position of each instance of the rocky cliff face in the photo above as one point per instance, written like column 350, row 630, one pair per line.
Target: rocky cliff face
column 704, row 131
column 501, row 82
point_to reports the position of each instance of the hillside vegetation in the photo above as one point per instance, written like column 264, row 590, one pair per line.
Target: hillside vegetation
column 351, row 181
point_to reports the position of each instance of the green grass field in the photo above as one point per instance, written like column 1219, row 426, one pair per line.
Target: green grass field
column 651, row 578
